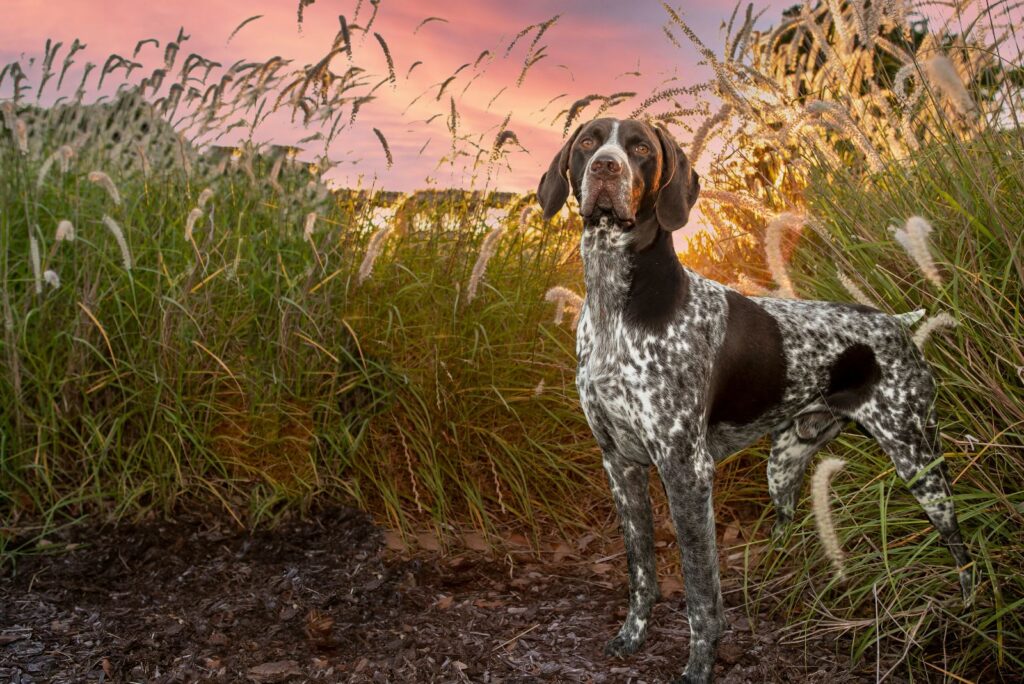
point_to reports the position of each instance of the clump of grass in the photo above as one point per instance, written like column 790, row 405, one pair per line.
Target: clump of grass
column 911, row 121
column 268, row 344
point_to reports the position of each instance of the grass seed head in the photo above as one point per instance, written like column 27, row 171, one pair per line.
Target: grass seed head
column 307, row 230
column 65, row 231
column 487, row 250
column 913, row 237
column 190, row 222
column 104, row 181
column 820, row 481
column 204, row 197
column 940, row 321
column 21, row 135
column 33, row 248
column 372, row 252
column 115, row 230
column 855, row 291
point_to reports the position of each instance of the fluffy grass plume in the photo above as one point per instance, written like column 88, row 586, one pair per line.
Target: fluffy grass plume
column 823, row 474
column 373, row 250
column 939, row 321
column 913, row 237
column 104, row 181
column 564, row 299
column 115, row 229
column 487, row 250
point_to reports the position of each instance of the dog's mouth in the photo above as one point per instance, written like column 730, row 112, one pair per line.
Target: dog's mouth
column 608, row 199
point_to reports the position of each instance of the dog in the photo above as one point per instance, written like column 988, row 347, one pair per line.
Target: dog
column 679, row 371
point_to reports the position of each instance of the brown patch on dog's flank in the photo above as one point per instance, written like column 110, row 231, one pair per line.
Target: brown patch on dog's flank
column 750, row 371
column 851, row 377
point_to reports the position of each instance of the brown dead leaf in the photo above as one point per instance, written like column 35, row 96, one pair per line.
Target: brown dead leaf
column 517, row 540
column 484, row 603
column 670, row 586
column 445, row 602
column 277, row 671
column 561, row 552
column 456, row 562
column 475, row 541
column 393, row 540
column 428, row 541
column 586, row 540
column 601, row 568
column 319, row 626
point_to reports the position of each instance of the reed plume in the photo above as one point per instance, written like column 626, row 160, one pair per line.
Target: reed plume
column 487, row 250
column 940, row 321
column 103, row 180
column 913, row 237
column 820, row 481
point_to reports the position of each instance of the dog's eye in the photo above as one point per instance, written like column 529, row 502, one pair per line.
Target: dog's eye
column 642, row 149
column 587, row 143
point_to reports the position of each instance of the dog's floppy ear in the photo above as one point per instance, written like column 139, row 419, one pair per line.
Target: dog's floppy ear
column 678, row 187
column 553, row 189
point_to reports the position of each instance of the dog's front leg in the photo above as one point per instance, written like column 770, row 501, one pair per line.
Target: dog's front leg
column 628, row 481
column 688, row 474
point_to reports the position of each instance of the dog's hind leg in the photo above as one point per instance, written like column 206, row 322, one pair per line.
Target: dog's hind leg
column 629, row 485
column 792, row 449
column 916, row 452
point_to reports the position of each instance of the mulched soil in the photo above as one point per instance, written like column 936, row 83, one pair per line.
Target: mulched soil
column 325, row 600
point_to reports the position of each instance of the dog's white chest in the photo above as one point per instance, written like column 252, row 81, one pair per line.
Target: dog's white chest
column 612, row 377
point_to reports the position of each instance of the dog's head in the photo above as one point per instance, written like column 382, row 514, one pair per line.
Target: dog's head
column 629, row 171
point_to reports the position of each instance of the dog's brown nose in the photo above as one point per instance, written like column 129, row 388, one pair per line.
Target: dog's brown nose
column 606, row 167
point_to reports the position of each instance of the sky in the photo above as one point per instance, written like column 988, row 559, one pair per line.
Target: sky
column 596, row 46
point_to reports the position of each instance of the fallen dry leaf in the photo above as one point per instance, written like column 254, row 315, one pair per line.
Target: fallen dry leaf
column 393, row 540
column 586, row 540
column 670, row 586
column 277, row 671
column 319, row 626
column 428, row 541
column 561, row 552
column 475, row 541
column 484, row 603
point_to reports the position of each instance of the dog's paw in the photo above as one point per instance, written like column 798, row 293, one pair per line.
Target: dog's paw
column 968, row 585
column 781, row 531
column 689, row 677
column 622, row 646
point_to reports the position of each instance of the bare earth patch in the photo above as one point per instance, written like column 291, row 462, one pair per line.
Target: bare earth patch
column 323, row 600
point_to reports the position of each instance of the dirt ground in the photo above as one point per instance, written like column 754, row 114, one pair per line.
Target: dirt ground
column 326, row 600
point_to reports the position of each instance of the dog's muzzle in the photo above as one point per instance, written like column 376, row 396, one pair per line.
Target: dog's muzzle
column 607, row 188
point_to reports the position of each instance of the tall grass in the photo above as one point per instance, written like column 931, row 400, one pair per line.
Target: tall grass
column 241, row 360
column 269, row 345
column 866, row 127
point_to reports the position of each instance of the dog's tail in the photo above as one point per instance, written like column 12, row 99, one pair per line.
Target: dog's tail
column 910, row 318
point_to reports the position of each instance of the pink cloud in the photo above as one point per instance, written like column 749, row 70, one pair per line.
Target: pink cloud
column 589, row 50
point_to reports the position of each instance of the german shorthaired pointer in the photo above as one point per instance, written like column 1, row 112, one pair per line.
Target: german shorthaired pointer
column 679, row 371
